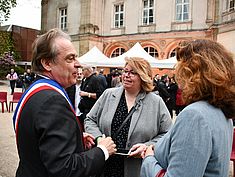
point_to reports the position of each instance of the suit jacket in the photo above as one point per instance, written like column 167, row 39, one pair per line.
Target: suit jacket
column 90, row 84
column 149, row 122
column 71, row 91
column 49, row 140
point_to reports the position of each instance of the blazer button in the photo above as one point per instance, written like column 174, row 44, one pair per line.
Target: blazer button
column 129, row 145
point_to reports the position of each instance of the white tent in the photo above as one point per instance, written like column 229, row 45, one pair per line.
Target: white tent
column 138, row 51
column 93, row 57
column 167, row 63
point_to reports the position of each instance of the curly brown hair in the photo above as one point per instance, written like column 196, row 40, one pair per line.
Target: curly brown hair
column 206, row 71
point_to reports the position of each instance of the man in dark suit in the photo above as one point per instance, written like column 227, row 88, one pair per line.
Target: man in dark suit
column 74, row 92
column 91, row 89
column 49, row 138
column 102, row 79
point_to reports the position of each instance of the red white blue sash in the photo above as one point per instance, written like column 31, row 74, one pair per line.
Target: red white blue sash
column 42, row 84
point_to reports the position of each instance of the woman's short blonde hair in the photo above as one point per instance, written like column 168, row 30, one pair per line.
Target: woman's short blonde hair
column 143, row 69
column 206, row 71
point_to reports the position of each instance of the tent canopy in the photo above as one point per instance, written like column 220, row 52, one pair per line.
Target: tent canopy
column 93, row 57
column 96, row 58
column 138, row 51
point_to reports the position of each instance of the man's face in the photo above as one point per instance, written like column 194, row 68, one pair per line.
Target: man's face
column 80, row 75
column 86, row 73
column 64, row 70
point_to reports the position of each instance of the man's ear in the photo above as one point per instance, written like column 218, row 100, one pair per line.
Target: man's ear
column 47, row 65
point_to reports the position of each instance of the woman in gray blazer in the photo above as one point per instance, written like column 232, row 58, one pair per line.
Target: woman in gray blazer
column 147, row 122
column 200, row 142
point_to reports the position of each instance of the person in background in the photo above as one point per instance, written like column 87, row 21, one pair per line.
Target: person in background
column 116, row 82
column 102, row 79
column 91, row 89
column 49, row 137
column 200, row 142
column 109, row 80
column 172, row 90
column 12, row 77
column 132, row 115
column 74, row 92
column 156, row 80
column 179, row 102
column 115, row 75
column 28, row 79
column 162, row 89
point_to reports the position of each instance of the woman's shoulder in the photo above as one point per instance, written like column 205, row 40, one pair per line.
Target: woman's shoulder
column 202, row 111
column 113, row 90
column 153, row 96
column 202, row 107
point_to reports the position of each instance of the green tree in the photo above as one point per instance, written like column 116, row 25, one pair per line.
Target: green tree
column 7, row 44
column 5, row 9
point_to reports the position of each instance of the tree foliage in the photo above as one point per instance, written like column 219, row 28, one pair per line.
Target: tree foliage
column 7, row 44
column 6, row 62
column 5, row 9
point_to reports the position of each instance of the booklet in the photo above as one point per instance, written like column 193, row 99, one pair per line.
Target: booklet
column 123, row 152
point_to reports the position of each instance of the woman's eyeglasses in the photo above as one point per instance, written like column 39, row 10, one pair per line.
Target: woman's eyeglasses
column 130, row 73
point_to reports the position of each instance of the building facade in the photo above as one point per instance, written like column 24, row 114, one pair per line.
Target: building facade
column 22, row 38
column 114, row 26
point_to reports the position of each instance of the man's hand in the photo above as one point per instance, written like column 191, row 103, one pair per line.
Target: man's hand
column 88, row 140
column 82, row 93
column 108, row 143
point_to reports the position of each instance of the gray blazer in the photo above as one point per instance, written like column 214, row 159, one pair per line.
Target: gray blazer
column 199, row 144
column 149, row 122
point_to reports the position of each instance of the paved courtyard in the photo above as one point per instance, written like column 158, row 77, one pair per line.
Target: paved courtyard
column 8, row 151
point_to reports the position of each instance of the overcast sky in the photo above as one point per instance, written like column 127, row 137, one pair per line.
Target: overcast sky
column 27, row 13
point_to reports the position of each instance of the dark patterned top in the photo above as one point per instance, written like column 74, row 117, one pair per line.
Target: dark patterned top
column 114, row 166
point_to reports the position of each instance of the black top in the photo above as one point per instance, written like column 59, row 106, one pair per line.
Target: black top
column 114, row 166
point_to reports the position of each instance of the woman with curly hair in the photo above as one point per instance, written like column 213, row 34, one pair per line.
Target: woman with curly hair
column 200, row 142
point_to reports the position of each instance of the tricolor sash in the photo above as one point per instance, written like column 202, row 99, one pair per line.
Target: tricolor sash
column 41, row 84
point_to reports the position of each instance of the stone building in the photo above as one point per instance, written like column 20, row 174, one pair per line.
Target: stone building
column 114, row 26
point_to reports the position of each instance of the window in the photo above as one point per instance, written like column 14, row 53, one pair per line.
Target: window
column 151, row 51
column 117, row 52
column 230, row 5
column 63, row 19
column 173, row 53
column 182, row 10
column 118, row 15
column 148, row 12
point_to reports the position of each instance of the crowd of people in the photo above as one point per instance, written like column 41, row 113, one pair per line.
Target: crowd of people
column 21, row 81
column 79, row 122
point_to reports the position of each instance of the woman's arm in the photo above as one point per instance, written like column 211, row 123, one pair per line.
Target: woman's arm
column 92, row 120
